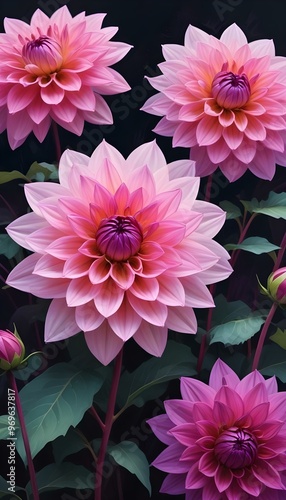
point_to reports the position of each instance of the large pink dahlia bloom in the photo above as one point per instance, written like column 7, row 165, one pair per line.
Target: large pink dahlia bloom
column 122, row 247
column 226, row 441
column 55, row 69
column 226, row 99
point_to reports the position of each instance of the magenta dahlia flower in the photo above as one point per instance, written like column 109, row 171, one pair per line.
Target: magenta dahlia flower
column 226, row 99
column 124, row 249
column 226, row 441
column 55, row 69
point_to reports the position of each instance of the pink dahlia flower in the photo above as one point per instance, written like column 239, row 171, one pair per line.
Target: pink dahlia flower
column 122, row 247
column 55, row 69
column 226, row 441
column 226, row 99
column 12, row 350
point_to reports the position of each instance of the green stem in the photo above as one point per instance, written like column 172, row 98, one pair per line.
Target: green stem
column 32, row 473
column 263, row 335
column 109, row 419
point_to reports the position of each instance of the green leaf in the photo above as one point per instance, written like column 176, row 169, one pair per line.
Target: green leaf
column 236, row 332
column 254, row 244
column 274, row 206
column 279, row 337
column 54, row 401
column 10, row 176
column 65, row 475
column 8, row 247
column 177, row 360
column 4, row 434
column 42, row 171
column 66, row 445
column 232, row 211
column 235, row 322
column 128, row 455
column 270, row 368
column 4, row 492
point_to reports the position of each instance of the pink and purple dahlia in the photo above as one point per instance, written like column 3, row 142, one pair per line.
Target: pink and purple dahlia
column 226, row 100
column 225, row 440
column 55, row 69
column 122, row 247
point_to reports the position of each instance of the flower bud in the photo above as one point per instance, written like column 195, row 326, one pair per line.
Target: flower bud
column 276, row 285
column 12, row 350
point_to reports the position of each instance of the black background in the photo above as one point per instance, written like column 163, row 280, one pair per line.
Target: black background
column 146, row 25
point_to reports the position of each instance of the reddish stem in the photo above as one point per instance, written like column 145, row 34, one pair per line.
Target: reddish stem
column 32, row 473
column 208, row 188
column 235, row 253
column 263, row 335
column 97, row 418
column 108, row 426
column 57, row 141
column 203, row 346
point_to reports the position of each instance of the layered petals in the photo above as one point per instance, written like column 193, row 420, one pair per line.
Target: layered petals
column 120, row 246
column 225, row 99
column 222, row 441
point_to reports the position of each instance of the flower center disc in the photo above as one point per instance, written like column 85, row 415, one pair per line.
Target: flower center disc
column 43, row 52
column 230, row 90
column 236, row 448
column 119, row 237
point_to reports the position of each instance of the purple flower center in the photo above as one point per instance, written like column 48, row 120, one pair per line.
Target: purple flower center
column 43, row 52
column 236, row 448
column 119, row 237
column 230, row 90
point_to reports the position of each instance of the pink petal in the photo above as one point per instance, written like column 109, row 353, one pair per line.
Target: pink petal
column 39, row 191
column 123, row 274
column 186, row 434
column 20, row 229
column 49, row 266
column 87, row 317
column 221, row 373
column 171, row 291
column 195, row 390
column 182, row 319
column 60, row 321
column 265, row 473
column 99, row 270
column 152, row 312
column 195, row 479
column 52, row 94
column 208, row 131
column 208, row 464
column 147, row 154
column 160, row 426
column 173, row 484
column 152, row 339
column 103, row 343
column 168, row 460
column 19, row 98
column 179, row 411
column 145, row 288
column 124, row 322
column 223, row 478
column 109, row 298
column 80, row 291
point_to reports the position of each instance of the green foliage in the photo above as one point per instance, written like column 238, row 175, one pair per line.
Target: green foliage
column 8, row 247
column 66, row 445
column 54, row 401
column 270, row 368
column 232, row 211
column 148, row 380
column 128, row 455
column 279, row 337
column 235, row 322
column 254, row 244
column 37, row 172
column 4, row 434
column 274, row 206
column 58, row 476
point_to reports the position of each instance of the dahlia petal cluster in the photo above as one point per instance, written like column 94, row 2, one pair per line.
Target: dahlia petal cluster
column 226, row 100
column 55, row 69
column 225, row 440
column 122, row 247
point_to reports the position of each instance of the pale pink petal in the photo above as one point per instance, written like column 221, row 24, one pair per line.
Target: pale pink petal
column 221, row 373
column 168, row 460
column 20, row 229
column 153, row 312
column 160, row 425
column 125, row 321
column 87, row 317
column 151, row 338
column 195, row 390
column 103, row 343
column 148, row 154
column 109, row 298
column 182, row 319
column 60, row 321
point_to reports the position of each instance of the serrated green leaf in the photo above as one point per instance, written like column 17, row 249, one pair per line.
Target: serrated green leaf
column 66, row 445
column 8, row 247
column 274, row 206
column 128, row 455
column 176, row 361
column 279, row 337
column 237, row 331
column 10, row 176
column 232, row 211
column 65, row 475
column 254, row 244
column 54, row 401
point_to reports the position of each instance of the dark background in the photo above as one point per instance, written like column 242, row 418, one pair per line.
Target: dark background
column 146, row 25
